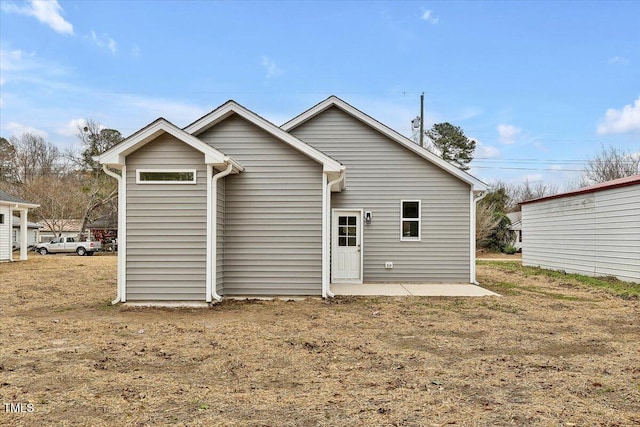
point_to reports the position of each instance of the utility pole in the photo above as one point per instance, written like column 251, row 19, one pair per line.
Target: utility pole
column 422, row 120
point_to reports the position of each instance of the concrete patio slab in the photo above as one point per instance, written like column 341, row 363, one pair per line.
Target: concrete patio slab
column 406, row 289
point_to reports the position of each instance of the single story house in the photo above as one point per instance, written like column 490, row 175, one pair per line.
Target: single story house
column 593, row 231
column 8, row 205
column 33, row 233
column 61, row 228
column 233, row 205
column 516, row 229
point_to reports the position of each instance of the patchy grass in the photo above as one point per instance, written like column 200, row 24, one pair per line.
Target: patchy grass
column 607, row 283
column 547, row 352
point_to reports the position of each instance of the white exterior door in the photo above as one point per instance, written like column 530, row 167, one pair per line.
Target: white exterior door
column 346, row 251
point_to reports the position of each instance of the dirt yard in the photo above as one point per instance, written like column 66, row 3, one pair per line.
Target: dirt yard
column 547, row 353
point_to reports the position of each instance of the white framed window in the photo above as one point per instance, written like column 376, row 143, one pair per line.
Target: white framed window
column 410, row 219
column 1, row 218
column 165, row 176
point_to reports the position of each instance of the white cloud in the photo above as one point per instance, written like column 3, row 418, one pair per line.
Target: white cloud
column 12, row 60
column 71, row 128
column 618, row 60
column 507, row 134
column 45, row 11
column 625, row 120
column 428, row 16
column 271, row 67
column 177, row 112
column 104, row 41
column 485, row 151
column 17, row 129
column 533, row 177
column 112, row 46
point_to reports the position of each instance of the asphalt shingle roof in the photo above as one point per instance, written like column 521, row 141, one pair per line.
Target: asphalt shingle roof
column 4, row 197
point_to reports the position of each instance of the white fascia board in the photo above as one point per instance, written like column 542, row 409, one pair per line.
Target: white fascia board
column 475, row 183
column 231, row 107
column 19, row 205
column 116, row 156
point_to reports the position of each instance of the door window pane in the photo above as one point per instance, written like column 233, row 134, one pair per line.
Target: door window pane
column 347, row 230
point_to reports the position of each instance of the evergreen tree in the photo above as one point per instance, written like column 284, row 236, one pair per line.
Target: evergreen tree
column 451, row 144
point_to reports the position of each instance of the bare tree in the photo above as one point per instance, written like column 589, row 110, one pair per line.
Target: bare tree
column 528, row 191
column 486, row 223
column 34, row 157
column 101, row 191
column 7, row 162
column 60, row 198
column 611, row 163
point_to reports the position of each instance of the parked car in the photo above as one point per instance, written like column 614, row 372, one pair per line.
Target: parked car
column 68, row 245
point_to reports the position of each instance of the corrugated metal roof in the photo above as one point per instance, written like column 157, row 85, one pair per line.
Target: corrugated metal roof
column 616, row 183
column 69, row 225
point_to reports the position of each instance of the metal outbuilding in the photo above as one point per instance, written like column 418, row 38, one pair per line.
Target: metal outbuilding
column 593, row 231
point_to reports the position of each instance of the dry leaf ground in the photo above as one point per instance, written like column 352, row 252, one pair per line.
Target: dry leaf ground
column 547, row 353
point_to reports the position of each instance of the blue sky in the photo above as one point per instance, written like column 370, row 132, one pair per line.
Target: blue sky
column 541, row 85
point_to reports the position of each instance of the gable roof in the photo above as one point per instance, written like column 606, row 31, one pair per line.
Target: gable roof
column 231, row 107
column 115, row 156
column 608, row 185
column 8, row 199
column 334, row 101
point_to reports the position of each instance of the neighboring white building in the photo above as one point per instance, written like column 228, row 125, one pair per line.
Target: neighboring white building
column 33, row 233
column 70, row 228
column 516, row 228
column 8, row 205
column 593, row 231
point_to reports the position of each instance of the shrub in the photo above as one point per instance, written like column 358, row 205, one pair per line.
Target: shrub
column 509, row 250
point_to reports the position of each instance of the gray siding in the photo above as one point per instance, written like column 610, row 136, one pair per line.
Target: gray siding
column 166, row 226
column 381, row 173
column 594, row 234
column 273, row 214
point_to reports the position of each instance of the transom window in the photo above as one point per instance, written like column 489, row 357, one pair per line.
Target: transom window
column 347, row 230
column 166, row 176
column 410, row 221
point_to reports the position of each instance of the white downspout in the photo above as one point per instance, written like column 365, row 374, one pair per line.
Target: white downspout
column 121, row 233
column 326, row 235
column 472, row 241
column 212, row 230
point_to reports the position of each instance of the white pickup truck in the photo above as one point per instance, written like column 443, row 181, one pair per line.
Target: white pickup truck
column 68, row 245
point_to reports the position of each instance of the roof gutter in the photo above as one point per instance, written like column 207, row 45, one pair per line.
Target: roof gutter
column 212, row 229
column 121, row 235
